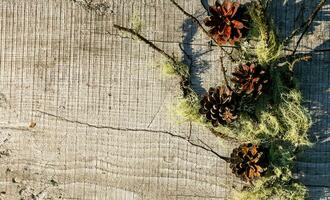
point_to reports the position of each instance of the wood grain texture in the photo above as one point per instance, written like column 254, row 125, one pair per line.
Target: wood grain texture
column 101, row 107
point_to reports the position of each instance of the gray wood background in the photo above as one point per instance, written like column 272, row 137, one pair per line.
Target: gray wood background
column 101, row 107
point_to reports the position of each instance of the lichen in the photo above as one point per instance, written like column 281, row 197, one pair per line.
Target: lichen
column 268, row 48
column 136, row 23
column 188, row 108
column 288, row 120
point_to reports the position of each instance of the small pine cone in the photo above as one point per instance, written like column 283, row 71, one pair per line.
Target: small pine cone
column 219, row 105
column 250, row 80
column 226, row 22
column 249, row 161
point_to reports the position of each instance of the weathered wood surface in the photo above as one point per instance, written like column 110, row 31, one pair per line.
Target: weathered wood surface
column 101, row 107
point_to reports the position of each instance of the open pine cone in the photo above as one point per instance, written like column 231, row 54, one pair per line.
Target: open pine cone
column 219, row 105
column 250, row 80
column 249, row 161
column 226, row 22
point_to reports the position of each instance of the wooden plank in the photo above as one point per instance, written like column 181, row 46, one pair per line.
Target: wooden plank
column 101, row 107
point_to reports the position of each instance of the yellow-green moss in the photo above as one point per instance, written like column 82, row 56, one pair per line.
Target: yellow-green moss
column 136, row 23
column 188, row 108
column 268, row 48
column 288, row 121
column 287, row 191
column 172, row 69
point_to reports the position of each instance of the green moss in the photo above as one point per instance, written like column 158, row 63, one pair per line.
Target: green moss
column 171, row 69
column 294, row 118
column 136, row 23
column 288, row 121
column 287, row 191
column 268, row 48
column 188, row 108
column 168, row 68
column 279, row 119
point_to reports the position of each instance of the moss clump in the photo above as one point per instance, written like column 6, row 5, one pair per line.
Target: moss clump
column 172, row 69
column 294, row 119
column 188, row 108
column 168, row 68
column 267, row 48
column 288, row 121
column 278, row 190
column 136, row 23
column 279, row 182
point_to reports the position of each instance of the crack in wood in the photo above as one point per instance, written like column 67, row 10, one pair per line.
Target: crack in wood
column 208, row 148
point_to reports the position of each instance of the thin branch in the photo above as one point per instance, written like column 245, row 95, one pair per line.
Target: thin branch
column 223, row 69
column 131, row 31
column 211, row 150
column 185, row 53
column 190, row 16
column 304, row 26
column 201, row 27
column 299, row 29
column 185, row 83
column 221, row 135
column 291, row 60
column 266, row 4
column 190, row 130
column 309, row 23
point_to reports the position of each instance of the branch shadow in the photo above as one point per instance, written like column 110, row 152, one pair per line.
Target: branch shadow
column 192, row 57
column 313, row 164
column 290, row 14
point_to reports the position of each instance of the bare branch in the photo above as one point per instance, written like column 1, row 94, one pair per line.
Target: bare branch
column 131, row 31
column 210, row 149
column 185, row 83
column 221, row 135
column 224, row 70
column 305, row 26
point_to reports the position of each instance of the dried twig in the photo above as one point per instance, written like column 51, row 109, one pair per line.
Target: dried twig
column 152, row 45
column 201, row 27
column 185, row 83
column 211, row 150
column 221, row 135
column 304, row 26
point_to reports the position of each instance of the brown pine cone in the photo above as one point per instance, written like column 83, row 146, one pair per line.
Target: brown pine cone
column 219, row 105
column 250, row 80
column 249, row 161
column 226, row 22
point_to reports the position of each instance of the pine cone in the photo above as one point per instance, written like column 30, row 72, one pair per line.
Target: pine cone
column 219, row 105
column 249, row 161
column 226, row 22
column 250, row 80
